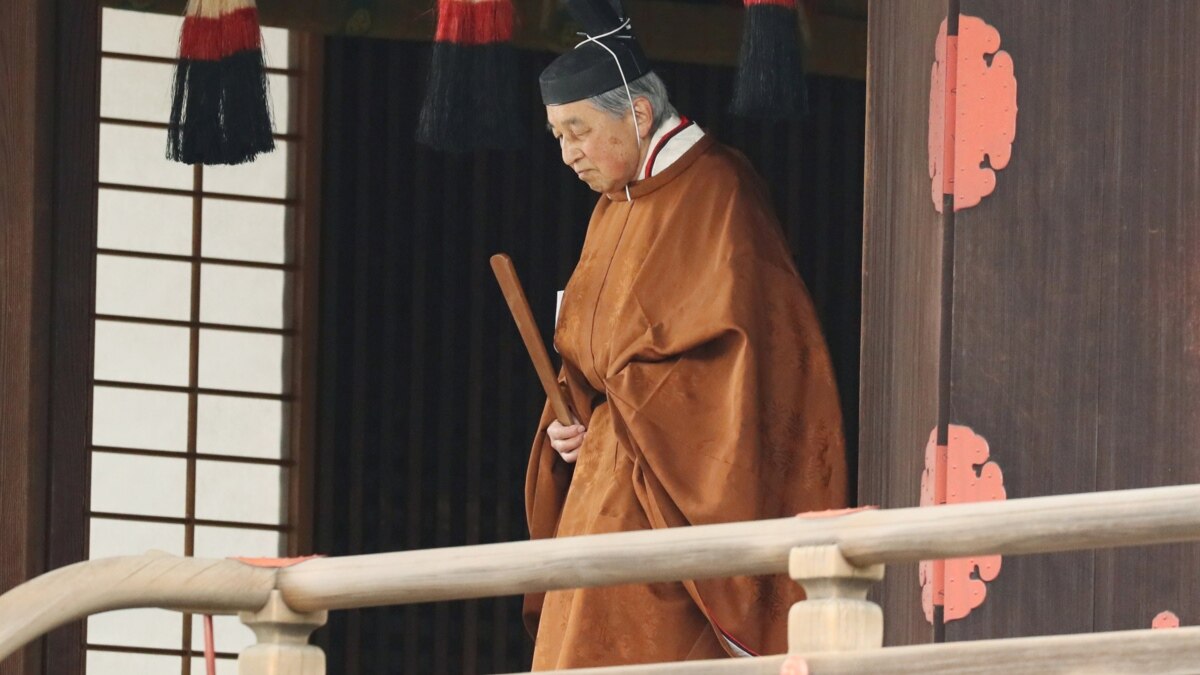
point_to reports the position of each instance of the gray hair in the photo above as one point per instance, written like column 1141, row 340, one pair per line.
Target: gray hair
column 649, row 86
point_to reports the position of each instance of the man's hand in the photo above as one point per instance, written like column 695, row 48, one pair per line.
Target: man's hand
column 566, row 440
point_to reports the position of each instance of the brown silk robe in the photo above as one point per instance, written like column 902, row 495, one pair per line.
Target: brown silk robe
column 694, row 357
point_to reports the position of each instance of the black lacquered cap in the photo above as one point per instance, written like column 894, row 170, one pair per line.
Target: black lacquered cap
column 590, row 69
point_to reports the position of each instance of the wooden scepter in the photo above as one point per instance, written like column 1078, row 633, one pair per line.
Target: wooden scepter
column 518, row 304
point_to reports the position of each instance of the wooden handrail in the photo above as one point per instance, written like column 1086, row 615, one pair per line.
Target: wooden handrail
column 76, row 591
column 1162, row 652
column 1035, row 525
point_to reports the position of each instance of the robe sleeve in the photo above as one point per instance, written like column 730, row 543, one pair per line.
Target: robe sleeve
column 548, row 478
column 727, row 401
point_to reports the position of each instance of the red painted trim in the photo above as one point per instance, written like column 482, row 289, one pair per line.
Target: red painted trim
column 474, row 23
column 1165, row 620
column 794, row 665
column 724, row 633
column 835, row 513
column 205, row 39
column 941, row 108
column 683, row 124
column 951, row 116
column 939, row 497
column 276, row 562
column 958, row 585
column 210, row 648
column 988, row 108
column 972, row 64
column 790, row 4
column 729, row 636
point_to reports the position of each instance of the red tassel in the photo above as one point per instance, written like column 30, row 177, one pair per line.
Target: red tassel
column 475, row 23
column 205, row 39
column 220, row 110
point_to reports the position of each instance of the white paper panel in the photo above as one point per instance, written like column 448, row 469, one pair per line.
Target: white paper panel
column 153, row 628
column 136, row 90
column 229, row 542
column 243, row 296
column 144, row 486
column 245, row 231
column 145, row 33
column 249, row 493
column 138, row 156
column 135, row 221
column 229, row 635
column 128, row 352
column 248, row 427
column 275, row 47
column 240, row 361
column 281, row 109
column 153, row 289
column 266, row 176
column 110, row 538
column 224, row 666
column 130, row 418
column 114, row 663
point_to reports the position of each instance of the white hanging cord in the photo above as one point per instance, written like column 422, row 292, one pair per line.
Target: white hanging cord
column 596, row 39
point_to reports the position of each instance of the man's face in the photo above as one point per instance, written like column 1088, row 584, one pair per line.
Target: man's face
column 601, row 148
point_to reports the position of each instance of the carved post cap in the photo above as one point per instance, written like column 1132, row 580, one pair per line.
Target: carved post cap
column 282, row 640
column 825, row 573
column 836, row 616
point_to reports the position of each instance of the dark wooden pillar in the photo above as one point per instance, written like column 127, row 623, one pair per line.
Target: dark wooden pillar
column 49, row 56
column 902, row 263
column 1072, row 342
column 25, row 246
column 75, row 156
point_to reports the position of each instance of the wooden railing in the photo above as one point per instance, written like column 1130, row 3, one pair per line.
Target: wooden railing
column 835, row 557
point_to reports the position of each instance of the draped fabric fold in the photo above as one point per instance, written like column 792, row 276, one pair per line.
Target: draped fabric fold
column 694, row 356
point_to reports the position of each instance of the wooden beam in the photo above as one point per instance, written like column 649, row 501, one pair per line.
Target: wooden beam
column 75, row 160
column 901, row 285
column 1163, row 652
column 671, row 31
column 867, row 537
column 309, row 53
column 152, row 580
column 1018, row 526
column 25, row 253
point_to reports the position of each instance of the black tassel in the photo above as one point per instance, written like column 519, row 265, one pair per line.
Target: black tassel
column 770, row 79
column 246, row 105
column 470, row 98
column 220, row 112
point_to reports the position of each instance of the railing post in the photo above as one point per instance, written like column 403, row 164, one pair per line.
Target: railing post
column 836, row 616
column 282, row 647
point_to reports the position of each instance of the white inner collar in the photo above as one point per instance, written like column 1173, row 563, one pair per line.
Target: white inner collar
column 673, row 149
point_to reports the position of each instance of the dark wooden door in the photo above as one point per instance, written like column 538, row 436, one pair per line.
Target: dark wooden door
column 1074, row 338
column 902, row 262
column 1076, row 298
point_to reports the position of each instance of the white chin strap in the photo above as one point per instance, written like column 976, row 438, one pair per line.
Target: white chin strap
column 596, row 39
column 628, row 94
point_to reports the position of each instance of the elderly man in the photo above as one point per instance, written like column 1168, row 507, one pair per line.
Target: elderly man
column 694, row 361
